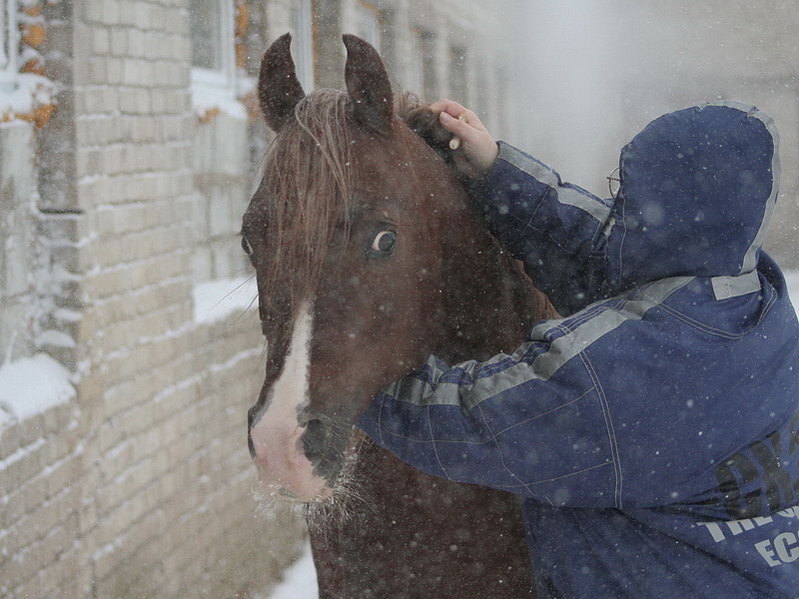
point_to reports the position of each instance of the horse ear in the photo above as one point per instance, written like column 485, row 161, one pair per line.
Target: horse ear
column 279, row 90
column 368, row 85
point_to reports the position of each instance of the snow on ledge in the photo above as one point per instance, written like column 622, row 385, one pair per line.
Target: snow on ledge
column 217, row 299
column 30, row 386
column 31, row 92
column 207, row 99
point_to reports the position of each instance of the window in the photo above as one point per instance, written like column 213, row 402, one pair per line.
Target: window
column 302, row 46
column 429, row 72
column 8, row 44
column 423, row 68
column 367, row 23
column 458, row 75
column 481, row 88
column 415, row 77
column 213, row 50
column 501, row 104
column 388, row 40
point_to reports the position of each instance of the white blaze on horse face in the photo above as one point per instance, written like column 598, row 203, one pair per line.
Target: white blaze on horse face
column 279, row 453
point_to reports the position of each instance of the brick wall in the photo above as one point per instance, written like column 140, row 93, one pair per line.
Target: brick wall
column 39, row 501
column 166, row 398
column 140, row 484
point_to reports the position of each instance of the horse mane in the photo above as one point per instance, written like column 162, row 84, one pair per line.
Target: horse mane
column 309, row 177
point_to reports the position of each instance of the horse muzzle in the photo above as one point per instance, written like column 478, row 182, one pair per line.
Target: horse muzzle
column 283, row 467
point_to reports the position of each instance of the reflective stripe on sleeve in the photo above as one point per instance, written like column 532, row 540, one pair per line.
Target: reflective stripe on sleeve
column 571, row 196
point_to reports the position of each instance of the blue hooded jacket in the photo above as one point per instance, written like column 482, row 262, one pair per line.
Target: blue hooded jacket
column 654, row 432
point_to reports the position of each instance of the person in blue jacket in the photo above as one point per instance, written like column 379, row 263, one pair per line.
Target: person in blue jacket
column 653, row 432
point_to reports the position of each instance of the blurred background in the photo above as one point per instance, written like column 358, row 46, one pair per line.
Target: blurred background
column 130, row 141
column 592, row 73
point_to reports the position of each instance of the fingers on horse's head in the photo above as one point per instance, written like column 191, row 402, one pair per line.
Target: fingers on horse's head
column 425, row 123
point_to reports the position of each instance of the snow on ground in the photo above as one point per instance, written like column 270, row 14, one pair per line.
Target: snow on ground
column 299, row 580
column 216, row 299
column 32, row 385
column 792, row 277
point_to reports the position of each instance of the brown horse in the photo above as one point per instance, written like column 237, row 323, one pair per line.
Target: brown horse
column 369, row 256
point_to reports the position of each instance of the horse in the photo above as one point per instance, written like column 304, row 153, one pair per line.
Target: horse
column 370, row 255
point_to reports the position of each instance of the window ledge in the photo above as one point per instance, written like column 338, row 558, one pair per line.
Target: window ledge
column 31, row 386
column 32, row 100
column 213, row 94
column 217, row 299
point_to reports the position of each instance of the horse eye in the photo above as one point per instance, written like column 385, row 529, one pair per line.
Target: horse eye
column 245, row 245
column 384, row 242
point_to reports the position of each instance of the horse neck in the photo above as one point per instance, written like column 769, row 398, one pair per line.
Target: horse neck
column 490, row 303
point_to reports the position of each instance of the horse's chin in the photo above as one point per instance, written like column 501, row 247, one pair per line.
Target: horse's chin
column 302, row 492
column 273, row 499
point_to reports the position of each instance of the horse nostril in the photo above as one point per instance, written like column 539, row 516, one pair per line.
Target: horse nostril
column 250, row 444
column 250, row 418
column 313, row 439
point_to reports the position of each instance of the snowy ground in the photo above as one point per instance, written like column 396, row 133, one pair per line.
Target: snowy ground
column 299, row 580
column 792, row 277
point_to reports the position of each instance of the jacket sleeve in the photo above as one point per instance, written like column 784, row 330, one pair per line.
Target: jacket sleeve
column 509, row 423
column 557, row 229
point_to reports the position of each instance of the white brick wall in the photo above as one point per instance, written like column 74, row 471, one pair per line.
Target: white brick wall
column 142, row 485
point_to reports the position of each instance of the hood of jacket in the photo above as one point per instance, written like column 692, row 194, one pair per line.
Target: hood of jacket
column 698, row 187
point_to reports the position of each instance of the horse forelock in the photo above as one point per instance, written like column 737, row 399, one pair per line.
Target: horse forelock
column 308, row 180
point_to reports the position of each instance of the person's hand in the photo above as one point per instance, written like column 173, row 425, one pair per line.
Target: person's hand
column 476, row 151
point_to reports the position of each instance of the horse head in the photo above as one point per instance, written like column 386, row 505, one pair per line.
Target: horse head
column 369, row 256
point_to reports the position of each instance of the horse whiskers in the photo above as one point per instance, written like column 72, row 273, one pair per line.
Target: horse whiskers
column 269, row 506
column 347, row 504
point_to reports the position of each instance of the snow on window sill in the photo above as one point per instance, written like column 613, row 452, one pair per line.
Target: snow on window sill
column 30, row 386
column 32, row 100
column 213, row 93
column 216, row 300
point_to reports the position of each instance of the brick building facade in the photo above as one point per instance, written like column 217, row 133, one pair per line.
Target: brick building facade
column 128, row 357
